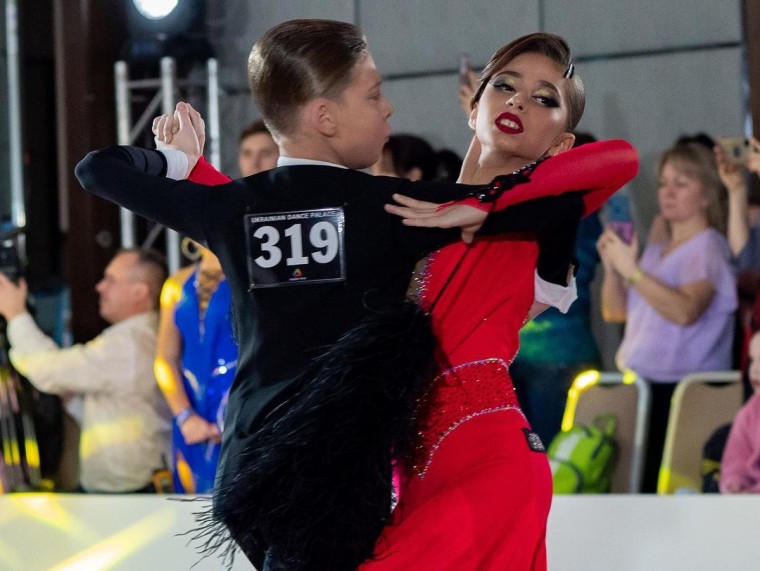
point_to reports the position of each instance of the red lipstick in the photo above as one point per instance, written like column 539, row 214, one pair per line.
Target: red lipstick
column 509, row 123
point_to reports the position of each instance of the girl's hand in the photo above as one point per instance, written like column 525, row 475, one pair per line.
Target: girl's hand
column 184, row 130
column 433, row 215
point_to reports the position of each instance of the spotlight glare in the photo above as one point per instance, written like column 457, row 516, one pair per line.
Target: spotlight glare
column 155, row 9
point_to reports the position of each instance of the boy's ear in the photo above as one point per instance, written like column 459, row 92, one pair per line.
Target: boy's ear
column 319, row 116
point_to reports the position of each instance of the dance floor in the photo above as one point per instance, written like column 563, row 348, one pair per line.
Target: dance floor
column 47, row 532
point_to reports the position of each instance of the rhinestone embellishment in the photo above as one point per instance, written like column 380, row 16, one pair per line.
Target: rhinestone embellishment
column 457, row 395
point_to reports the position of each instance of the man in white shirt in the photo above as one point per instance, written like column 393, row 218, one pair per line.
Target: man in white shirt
column 124, row 423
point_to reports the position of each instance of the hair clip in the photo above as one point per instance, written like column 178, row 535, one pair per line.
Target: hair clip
column 569, row 72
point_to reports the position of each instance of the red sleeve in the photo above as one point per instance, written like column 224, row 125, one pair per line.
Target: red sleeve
column 204, row 173
column 597, row 169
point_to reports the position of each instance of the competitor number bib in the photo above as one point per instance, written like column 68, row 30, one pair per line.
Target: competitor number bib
column 291, row 248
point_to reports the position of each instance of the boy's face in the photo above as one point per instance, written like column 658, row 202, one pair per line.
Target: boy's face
column 362, row 114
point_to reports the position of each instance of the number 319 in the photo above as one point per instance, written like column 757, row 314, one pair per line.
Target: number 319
column 323, row 236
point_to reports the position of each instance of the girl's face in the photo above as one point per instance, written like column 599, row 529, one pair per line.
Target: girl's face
column 681, row 197
column 522, row 112
column 754, row 363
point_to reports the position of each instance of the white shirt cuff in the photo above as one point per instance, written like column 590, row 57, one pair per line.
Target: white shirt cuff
column 176, row 164
column 555, row 295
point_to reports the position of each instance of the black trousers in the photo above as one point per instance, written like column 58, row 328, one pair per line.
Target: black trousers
column 662, row 394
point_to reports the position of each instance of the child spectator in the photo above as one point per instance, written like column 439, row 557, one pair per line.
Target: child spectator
column 740, row 467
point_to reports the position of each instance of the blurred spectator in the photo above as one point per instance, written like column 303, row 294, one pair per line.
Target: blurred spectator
column 740, row 465
column 124, row 422
column 257, row 151
column 679, row 298
column 658, row 230
column 743, row 237
column 196, row 358
column 448, row 166
column 412, row 157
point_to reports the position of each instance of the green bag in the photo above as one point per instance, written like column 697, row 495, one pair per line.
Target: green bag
column 583, row 458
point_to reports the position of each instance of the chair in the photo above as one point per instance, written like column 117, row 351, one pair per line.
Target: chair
column 701, row 403
column 628, row 397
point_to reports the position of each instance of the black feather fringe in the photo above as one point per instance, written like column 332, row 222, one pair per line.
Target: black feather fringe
column 316, row 490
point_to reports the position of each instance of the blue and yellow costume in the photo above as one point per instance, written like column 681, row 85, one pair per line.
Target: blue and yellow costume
column 209, row 360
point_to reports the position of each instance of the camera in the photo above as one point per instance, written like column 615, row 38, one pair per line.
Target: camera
column 10, row 256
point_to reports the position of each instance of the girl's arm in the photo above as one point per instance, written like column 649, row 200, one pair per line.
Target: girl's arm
column 596, row 169
column 204, row 173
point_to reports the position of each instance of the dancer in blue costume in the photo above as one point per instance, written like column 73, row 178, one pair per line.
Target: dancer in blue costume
column 195, row 365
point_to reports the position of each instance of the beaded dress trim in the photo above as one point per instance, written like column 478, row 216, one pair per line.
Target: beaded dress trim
column 457, row 395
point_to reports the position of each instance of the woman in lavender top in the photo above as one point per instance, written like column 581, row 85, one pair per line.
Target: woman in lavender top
column 679, row 299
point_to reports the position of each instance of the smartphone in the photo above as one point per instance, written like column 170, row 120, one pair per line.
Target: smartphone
column 465, row 67
column 622, row 228
column 735, row 149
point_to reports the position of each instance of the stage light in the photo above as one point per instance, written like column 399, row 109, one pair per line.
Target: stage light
column 155, row 9
column 180, row 33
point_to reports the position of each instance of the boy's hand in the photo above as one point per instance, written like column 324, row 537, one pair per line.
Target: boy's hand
column 432, row 215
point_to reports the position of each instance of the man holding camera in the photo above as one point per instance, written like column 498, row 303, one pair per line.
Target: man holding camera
column 124, row 422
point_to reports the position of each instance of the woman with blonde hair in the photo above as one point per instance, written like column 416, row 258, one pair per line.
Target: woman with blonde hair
column 678, row 299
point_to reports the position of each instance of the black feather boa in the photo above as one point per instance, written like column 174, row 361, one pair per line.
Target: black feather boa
column 316, row 490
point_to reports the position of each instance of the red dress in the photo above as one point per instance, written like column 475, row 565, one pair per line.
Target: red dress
column 476, row 491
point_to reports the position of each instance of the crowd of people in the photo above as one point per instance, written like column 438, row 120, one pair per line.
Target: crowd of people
column 291, row 330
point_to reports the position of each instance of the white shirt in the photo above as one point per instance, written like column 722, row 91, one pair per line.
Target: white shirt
column 125, row 423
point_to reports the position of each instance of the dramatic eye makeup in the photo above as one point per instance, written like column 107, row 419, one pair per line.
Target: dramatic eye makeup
column 547, row 97
column 546, row 94
column 504, row 81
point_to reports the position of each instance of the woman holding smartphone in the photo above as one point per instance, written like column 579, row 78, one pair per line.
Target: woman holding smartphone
column 738, row 161
column 678, row 299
